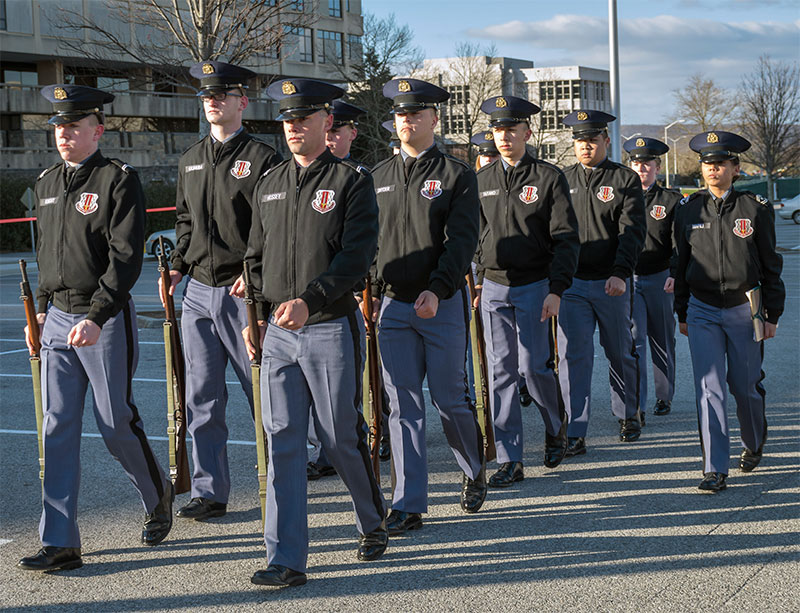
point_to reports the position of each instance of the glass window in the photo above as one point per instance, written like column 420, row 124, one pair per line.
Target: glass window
column 20, row 77
column 330, row 47
column 298, row 5
column 562, row 90
column 302, row 47
column 335, row 8
column 3, row 22
column 547, row 90
column 113, row 84
column 576, row 89
column 355, row 50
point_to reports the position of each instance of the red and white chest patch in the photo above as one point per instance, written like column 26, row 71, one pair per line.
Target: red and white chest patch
column 241, row 169
column 743, row 228
column 431, row 189
column 324, row 202
column 528, row 194
column 658, row 212
column 87, row 203
column 606, row 193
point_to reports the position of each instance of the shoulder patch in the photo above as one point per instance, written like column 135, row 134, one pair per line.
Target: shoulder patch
column 46, row 170
column 126, row 168
column 383, row 163
column 759, row 198
column 686, row 199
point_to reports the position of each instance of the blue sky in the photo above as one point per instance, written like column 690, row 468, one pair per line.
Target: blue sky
column 661, row 42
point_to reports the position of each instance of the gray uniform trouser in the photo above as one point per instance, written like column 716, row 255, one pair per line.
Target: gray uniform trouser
column 412, row 347
column 654, row 321
column 67, row 371
column 211, row 325
column 319, row 364
column 516, row 341
column 718, row 335
column 584, row 306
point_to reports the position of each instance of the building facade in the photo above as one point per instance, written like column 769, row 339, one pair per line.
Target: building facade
column 149, row 123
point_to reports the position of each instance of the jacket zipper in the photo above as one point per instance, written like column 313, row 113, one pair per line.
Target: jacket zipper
column 211, row 213
column 62, row 250
column 293, row 237
column 719, row 254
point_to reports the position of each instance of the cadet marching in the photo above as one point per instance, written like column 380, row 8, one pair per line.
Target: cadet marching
column 558, row 254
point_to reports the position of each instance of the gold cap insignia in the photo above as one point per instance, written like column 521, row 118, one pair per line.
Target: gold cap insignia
column 712, row 137
column 640, row 142
column 404, row 86
column 59, row 93
column 501, row 103
column 208, row 68
column 288, row 88
column 582, row 116
column 488, row 136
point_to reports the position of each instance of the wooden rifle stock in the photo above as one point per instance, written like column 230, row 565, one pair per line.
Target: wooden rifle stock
column 176, row 384
column 374, row 397
column 255, row 370
column 26, row 295
column 480, row 374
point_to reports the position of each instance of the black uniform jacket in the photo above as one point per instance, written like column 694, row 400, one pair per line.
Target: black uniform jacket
column 725, row 251
column 659, row 206
column 610, row 211
column 91, row 237
column 314, row 235
column 528, row 227
column 428, row 225
column 213, row 204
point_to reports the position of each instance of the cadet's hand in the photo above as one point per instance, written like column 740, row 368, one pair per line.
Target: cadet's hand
column 615, row 286
column 550, row 306
column 262, row 330
column 684, row 328
column 84, row 334
column 669, row 286
column 174, row 278
column 237, row 289
column 426, row 305
column 477, row 302
column 40, row 317
column 770, row 330
column 292, row 315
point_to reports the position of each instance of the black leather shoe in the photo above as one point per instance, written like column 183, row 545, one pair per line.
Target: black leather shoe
column 662, row 407
column 202, row 508
column 509, row 472
column 385, row 449
column 555, row 447
column 473, row 492
column 371, row 546
column 576, row 445
column 713, row 482
column 316, row 471
column 279, row 576
column 400, row 522
column 525, row 399
column 630, row 429
column 158, row 523
column 750, row 459
column 53, row 558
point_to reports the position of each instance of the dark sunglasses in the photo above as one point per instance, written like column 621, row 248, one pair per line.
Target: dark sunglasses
column 218, row 96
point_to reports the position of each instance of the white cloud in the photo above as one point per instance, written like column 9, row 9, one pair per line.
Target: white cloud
column 656, row 53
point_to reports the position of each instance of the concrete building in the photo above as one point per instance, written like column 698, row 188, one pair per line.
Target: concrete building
column 148, row 124
column 558, row 90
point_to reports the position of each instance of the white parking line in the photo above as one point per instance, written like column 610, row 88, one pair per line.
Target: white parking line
column 13, row 351
column 98, row 435
column 4, row 542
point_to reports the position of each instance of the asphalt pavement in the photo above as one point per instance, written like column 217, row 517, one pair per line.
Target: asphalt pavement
column 622, row 528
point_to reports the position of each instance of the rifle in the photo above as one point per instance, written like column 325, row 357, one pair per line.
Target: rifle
column 373, row 388
column 255, row 369
column 26, row 295
column 480, row 374
column 176, row 384
column 554, row 332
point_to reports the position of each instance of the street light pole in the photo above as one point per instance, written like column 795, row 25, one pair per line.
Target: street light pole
column 665, row 142
column 674, row 142
column 613, row 56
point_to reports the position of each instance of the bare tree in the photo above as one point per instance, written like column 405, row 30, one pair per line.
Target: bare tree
column 770, row 114
column 703, row 103
column 387, row 50
column 543, row 135
column 471, row 77
column 162, row 36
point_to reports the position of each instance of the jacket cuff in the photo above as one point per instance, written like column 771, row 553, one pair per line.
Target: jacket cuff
column 439, row 288
column 98, row 314
column 262, row 310
column 621, row 271
column 44, row 301
column 772, row 317
column 314, row 299
column 558, row 288
column 178, row 264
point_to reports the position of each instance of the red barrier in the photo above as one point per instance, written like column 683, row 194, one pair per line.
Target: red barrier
column 18, row 219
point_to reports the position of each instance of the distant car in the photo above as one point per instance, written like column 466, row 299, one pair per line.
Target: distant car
column 151, row 245
column 790, row 209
